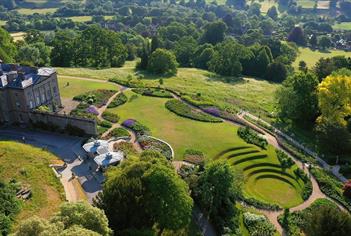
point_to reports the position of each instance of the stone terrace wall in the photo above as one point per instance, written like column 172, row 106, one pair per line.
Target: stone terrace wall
column 89, row 126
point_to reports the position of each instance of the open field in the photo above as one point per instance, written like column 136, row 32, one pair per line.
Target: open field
column 311, row 57
column 306, row 3
column 18, row 36
column 80, row 86
column 28, row 11
column 216, row 141
column 252, row 94
column 2, row 22
column 342, row 26
column 30, row 166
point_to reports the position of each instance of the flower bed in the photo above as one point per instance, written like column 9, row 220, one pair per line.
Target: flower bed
column 109, row 116
column 119, row 132
column 105, row 124
column 137, row 127
column 196, row 100
column 97, row 98
column 120, row 99
column 185, row 110
column 84, row 110
column 252, row 137
column 153, row 92
column 194, row 156
column 150, row 143
column 126, row 148
column 258, row 225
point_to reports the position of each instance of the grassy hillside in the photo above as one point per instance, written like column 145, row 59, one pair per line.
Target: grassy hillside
column 30, row 166
column 311, row 57
column 252, row 94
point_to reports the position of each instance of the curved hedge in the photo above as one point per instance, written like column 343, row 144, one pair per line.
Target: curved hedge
column 184, row 110
column 153, row 92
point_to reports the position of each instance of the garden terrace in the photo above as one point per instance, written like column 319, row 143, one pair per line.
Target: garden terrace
column 97, row 98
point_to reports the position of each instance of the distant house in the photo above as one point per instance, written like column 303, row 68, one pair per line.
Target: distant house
column 23, row 89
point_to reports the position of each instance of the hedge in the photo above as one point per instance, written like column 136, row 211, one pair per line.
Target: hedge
column 120, row 99
column 250, row 136
column 153, row 92
column 119, row 132
column 184, row 110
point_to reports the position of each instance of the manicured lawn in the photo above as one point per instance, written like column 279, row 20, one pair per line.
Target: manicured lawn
column 252, row 94
column 30, row 166
column 311, row 57
column 28, row 11
column 80, row 86
column 212, row 139
column 342, row 26
column 181, row 133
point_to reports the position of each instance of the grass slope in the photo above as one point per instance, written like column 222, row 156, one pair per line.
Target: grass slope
column 80, row 86
column 252, row 94
column 30, row 165
column 311, row 57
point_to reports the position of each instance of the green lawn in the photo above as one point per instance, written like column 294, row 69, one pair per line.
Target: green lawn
column 311, row 57
column 18, row 36
column 306, row 3
column 2, row 22
column 80, row 18
column 342, row 26
column 80, row 86
column 28, row 11
column 30, row 165
column 252, row 94
column 212, row 139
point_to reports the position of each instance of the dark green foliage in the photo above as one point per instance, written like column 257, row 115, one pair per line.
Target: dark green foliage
column 276, row 72
column 250, row 136
column 330, row 186
column 9, row 206
column 214, row 32
column 162, row 62
column 105, row 124
column 153, row 92
column 297, row 36
column 218, row 188
column 7, row 49
column 119, row 132
column 110, row 116
column 260, row 205
column 145, row 192
column 184, row 51
column 97, row 98
column 325, row 66
column 258, row 225
column 120, row 99
column 285, row 161
column 184, row 110
column 297, row 99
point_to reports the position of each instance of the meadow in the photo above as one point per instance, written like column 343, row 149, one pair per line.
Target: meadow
column 342, row 26
column 30, row 166
column 29, row 11
column 227, row 92
column 217, row 141
column 311, row 57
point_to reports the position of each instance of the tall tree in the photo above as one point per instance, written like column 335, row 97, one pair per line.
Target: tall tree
column 214, row 32
column 7, row 47
column 297, row 99
column 162, row 61
column 297, row 36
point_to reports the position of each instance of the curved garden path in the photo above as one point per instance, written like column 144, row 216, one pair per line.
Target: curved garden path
column 271, row 215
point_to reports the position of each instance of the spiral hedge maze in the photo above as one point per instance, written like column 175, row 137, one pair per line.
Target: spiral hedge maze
column 265, row 180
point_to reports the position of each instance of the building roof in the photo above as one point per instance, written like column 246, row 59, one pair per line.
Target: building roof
column 20, row 77
column 109, row 158
column 97, row 146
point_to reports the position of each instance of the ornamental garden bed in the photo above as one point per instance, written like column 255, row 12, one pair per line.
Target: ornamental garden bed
column 110, row 116
column 184, row 110
column 118, row 133
column 194, row 156
column 97, row 98
column 151, row 143
column 250, row 136
column 120, row 99
column 153, row 92
column 137, row 127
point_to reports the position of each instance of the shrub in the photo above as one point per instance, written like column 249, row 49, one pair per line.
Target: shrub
column 258, row 225
column 285, row 161
column 137, row 127
column 162, row 61
column 250, row 136
column 197, row 100
column 185, row 110
column 260, row 205
column 105, row 124
column 125, row 147
column 111, row 117
column 119, row 132
column 120, row 99
column 330, row 186
column 153, row 92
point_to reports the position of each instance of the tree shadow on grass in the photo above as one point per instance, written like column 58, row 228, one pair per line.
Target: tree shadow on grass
column 150, row 76
column 224, row 79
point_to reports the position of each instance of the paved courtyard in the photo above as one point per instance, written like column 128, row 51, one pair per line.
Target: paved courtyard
column 69, row 149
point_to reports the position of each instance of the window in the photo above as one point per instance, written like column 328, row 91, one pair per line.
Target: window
column 31, row 104
column 43, row 97
column 38, row 100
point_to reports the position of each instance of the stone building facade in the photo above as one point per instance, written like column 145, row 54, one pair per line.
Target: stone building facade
column 23, row 89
